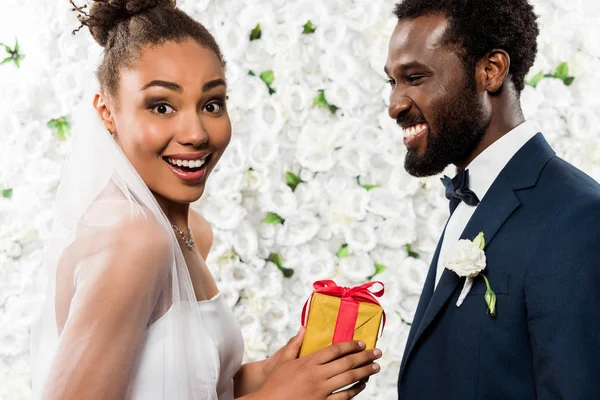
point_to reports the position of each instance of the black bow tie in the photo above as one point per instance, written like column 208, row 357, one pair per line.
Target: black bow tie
column 457, row 190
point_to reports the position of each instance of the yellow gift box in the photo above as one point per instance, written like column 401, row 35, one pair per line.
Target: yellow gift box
column 338, row 314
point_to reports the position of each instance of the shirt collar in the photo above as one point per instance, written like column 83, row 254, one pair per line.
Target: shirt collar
column 486, row 167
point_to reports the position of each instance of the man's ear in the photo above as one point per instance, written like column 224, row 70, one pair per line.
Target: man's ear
column 492, row 71
column 102, row 108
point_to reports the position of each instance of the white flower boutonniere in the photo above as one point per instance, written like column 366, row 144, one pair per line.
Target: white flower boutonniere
column 467, row 259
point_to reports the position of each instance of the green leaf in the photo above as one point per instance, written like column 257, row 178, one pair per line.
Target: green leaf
column 16, row 50
column 292, row 180
column 308, row 28
column 479, row 241
column 379, row 268
column 321, row 101
column 271, row 90
column 569, row 80
column 268, row 77
column 273, row 219
column 7, row 59
column 251, row 73
column 536, row 79
column 366, row 186
column 562, row 71
column 7, row 193
column 18, row 60
column 410, row 252
column 255, row 33
column 278, row 261
column 62, row 126
column 342, row 252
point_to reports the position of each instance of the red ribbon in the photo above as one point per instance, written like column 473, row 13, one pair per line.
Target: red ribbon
column 348, row 312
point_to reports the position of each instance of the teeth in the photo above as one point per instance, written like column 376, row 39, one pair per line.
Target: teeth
column 187, row 163
column 414, row 130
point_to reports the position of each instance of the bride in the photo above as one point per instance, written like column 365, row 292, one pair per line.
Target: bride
column 132, row 310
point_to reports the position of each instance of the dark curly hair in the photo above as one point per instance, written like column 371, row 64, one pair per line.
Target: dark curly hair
column 123, row 27
column 479, row 26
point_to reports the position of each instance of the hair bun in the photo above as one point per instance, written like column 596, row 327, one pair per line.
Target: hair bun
column 105, row 15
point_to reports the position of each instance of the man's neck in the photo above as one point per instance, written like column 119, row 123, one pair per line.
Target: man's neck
column 503, row 121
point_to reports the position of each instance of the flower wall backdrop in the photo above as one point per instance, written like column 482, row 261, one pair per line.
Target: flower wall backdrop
column 312, row 185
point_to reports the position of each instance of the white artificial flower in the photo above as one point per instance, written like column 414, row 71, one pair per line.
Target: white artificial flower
column 262, row 152
column 315, row 147
column 331, row 34
column 281, row 38
column 357, row 267
column 300, row 228
column 465, row 258
column 397, row 232
column 557, row 91
column 353, row 159
column 335, row 65
column 344, row 95
column 361, row 236
column 235, row 157
column 232, row 39
column 297, row 101
column 224, row 213
column 280, row 200
column 277, row 316
column 269, row 117
column 245, row 241
column 224, row 182
column 411, row 275
column 401, row 183
column 386, row 204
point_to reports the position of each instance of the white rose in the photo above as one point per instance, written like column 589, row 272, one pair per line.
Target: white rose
column 297, row 101
column 224, row 213
column 257, row 181
column 248, row 93
column 465, row 258
column 551, row 123
column 361, row 19
column 331, row 35
column 234, row 157
column 263, row 150
column 315, row 147
column 344, row 95
column 372, row 138
column 408, row 306
column 245, row 241
column 412, row 274
column 224, row 183
column 281, row 38
column 239, row 276
column 277, row 316
column 280, row 201
column 232, row 39
column 299, row 229
column 348, row 207
column 397, row 232
column 583, row 123
column 361, row 236
column 556, row 90
column 269, row 117
column 401, row 183
column 386, row 204
column 353, row 159
column 316, row 263
column 357, row 267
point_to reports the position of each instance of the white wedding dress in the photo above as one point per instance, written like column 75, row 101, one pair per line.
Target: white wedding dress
column 224, row 331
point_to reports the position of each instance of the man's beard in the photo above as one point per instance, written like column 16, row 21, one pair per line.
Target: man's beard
column 458, row 128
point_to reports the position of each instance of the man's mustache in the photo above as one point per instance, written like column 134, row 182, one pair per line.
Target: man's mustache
column 407, row 120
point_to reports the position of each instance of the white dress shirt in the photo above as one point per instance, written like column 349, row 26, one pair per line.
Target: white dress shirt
column 483, row 171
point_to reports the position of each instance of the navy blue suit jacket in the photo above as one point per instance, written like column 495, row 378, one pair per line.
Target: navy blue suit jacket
column 541, row 220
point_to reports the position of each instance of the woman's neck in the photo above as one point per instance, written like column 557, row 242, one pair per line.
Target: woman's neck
column 177, row 213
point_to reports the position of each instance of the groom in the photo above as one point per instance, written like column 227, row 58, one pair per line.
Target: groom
column 456, row 68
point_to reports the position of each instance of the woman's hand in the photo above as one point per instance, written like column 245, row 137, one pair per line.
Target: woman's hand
column 317, row 375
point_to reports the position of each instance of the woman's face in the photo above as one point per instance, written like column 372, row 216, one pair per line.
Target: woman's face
column 171, row 121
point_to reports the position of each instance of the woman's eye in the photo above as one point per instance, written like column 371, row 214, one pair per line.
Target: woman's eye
column 391, row 82
column 214, row 107
column 163, row 109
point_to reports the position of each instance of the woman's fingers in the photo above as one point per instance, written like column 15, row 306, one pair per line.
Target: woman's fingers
column 352, row 376
column 338, row 350
column 348, row 393
column 351, row 362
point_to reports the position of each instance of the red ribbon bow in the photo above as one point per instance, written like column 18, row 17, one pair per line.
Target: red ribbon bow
column 348, row 312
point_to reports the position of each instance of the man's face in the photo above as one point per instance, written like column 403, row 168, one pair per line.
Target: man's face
column 434, row 99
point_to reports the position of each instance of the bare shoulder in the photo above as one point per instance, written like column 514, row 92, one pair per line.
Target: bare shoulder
column 202, row 232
